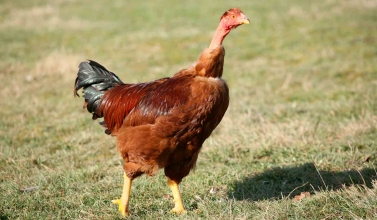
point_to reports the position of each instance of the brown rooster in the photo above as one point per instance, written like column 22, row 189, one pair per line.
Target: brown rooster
column 163, row 123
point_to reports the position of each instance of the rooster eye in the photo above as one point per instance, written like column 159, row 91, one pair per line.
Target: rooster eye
column 233, row 16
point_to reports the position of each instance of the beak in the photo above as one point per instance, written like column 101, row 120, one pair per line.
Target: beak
column 245, row 20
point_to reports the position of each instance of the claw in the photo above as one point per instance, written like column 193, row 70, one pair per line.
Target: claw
column 178, row 211
column 123, row 208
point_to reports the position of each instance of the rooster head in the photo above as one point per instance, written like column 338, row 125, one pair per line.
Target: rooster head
column 233, row 18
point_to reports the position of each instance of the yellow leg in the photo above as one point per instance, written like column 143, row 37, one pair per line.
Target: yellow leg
column 124, row 200
column 178, row 207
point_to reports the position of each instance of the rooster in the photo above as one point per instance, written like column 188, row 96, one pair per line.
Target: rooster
column 162, row 123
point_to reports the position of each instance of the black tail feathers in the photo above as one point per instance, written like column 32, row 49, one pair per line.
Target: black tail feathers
column 96, row 80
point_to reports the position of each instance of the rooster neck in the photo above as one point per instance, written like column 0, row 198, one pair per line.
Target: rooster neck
column 211, row 62
column 219, row 36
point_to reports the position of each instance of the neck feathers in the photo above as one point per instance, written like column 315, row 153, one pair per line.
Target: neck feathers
column 211, row 62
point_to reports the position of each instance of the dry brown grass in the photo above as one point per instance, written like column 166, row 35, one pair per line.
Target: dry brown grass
column 43, row 17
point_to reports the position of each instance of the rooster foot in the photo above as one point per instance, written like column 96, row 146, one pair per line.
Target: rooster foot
column 123, row 208
column 178, row 211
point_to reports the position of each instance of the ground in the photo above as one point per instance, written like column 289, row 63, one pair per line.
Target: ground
column 298, row 140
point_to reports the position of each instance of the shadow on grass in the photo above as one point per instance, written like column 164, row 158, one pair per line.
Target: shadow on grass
column 289, row 181
column 3, row 217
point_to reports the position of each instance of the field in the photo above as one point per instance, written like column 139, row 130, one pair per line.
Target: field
column 299, row 140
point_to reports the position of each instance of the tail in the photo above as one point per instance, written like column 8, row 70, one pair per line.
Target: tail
column 96, row 80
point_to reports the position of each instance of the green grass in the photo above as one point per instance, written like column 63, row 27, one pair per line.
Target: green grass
column 302, row 116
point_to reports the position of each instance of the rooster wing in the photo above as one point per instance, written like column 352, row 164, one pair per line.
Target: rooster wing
column 117, row 103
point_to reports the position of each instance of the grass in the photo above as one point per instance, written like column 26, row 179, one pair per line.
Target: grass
column 302, row 117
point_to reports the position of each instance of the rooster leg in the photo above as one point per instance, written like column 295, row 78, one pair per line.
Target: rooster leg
column 124, row 200
column 178, row 208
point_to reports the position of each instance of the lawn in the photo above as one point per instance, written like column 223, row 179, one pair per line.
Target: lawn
column 299, row 140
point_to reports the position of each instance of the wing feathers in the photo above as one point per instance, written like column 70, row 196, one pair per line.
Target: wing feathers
column 118, row 102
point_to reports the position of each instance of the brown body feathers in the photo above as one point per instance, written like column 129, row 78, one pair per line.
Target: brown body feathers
column 163, row 124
